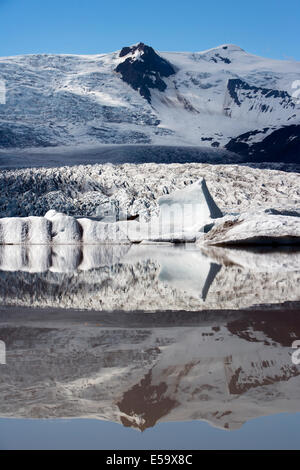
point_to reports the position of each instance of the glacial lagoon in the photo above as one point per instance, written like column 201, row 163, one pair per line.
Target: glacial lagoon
column 146, row 346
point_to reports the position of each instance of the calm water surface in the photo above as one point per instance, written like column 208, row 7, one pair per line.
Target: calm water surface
column 149, row 347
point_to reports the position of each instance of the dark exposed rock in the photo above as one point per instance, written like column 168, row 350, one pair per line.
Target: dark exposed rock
column 235, row 84
column 144, row 72
column 125, row 51
column 223, row 59
column 282, row 144
column 218, row 58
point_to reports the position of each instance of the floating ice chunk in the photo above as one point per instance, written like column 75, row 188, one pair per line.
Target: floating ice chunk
column 103, row 232
column 154, row 232
column 39, row 230
column 22, row 230
column 255, row 228
column 64, row 228
column 182, row 215
column 189, row 208
column 136, row 232
column 13, row 230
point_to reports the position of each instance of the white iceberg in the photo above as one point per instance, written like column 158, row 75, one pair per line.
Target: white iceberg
column 64, row 228
column 187, row 215
column 182, row 215
column 188, row 209
column 255, row 228
column 94, row 231
column 21, row 230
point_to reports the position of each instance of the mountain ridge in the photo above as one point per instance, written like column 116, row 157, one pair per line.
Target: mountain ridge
column 141, row 96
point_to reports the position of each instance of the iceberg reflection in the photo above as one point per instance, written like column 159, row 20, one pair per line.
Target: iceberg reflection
column 146, row 277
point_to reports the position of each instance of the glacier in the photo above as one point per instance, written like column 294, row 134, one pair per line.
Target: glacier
column 186, row 215
column 182, row 215
column 96, row 190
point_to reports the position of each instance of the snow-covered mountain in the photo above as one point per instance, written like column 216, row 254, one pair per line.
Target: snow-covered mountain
column 222, row 97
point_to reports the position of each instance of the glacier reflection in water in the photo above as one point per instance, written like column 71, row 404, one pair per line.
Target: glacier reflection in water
column 146, row 277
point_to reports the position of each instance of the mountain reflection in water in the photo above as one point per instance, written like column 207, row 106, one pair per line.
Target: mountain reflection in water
column 225, row 367
column 166, row 334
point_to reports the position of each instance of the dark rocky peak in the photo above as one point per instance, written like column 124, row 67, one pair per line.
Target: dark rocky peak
column 132, row 49
column 236, row 85
column 143, row 69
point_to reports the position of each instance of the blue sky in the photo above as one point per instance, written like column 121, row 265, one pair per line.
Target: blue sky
column 263, row 27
